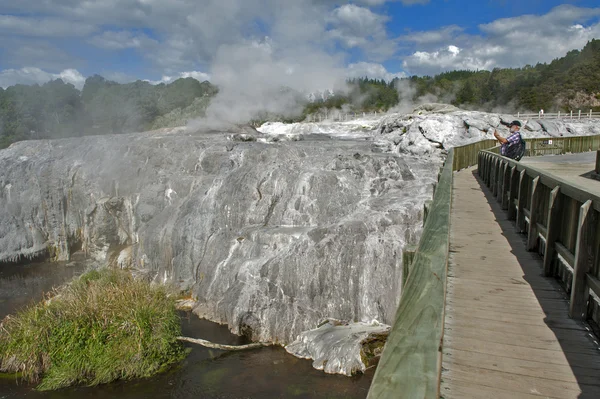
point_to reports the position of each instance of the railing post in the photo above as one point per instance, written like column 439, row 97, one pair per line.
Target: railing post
column 485, row 168
column 553, row 227
column 513, row 192
column 506, row 186
column 584, row 258
column 497, row 166
column 558, row 117
column 579, row 116
column 533, row 212
column 571, row 114
column 492, row 168
column 500, row 181
column 522, row 200
column 488, row 168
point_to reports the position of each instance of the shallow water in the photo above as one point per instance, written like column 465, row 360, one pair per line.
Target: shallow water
column 205, row 373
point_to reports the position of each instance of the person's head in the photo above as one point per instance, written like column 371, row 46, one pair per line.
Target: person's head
column 514, row 125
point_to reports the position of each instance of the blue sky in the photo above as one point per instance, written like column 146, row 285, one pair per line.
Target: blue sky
column 304, row 44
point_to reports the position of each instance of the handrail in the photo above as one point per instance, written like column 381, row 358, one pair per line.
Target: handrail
column 561, row 145
column 410, row 366
column 562, row 223
column 466, row 155
column 411, row 360
column 559, row 115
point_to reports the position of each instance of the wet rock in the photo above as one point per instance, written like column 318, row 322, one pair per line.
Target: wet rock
column 341, row 348
column 269, row 238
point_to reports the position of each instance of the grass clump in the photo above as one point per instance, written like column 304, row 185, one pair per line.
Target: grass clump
column 102, row 327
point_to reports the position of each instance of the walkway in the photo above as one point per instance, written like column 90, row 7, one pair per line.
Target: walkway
column 507, row 333
column 575, row 168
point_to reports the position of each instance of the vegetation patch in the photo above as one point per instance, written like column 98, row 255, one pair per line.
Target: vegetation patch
column 104, row 326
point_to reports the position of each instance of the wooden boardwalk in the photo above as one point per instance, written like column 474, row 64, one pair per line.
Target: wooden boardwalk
column 507, row 332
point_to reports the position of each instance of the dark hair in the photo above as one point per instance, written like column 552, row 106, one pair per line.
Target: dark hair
column 515, row 123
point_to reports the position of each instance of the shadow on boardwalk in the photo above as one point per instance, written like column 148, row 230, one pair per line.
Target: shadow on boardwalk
column 579, row 346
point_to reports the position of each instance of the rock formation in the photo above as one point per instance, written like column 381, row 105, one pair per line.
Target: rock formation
column 271, row 231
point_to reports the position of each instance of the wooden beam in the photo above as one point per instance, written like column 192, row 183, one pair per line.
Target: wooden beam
column 551, row 181
column 499, row 175
column 584, row 258
column 593, row 283
column 492, row 184
column 513, row 193
column 532, row 237
column 521, row 201
column 565, row 254
column 506, row 186
column 553, row 225
column 410, row 365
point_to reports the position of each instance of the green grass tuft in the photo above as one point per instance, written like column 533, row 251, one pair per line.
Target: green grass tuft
column 103, row 327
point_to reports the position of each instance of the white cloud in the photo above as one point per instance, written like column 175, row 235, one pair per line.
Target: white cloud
column 32, row 75
column 371, row 70
column 44, row 27
column 506, row 42
column 432, row 37
column 121, row 40
column 449, row 58
column 355, row 26
column 20, row 52
column 200, row 76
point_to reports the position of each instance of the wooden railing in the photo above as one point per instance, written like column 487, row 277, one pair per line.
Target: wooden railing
column 466, row 155
column 410, row 366
column 579, row 114
column 562, row 223
column 561, row 145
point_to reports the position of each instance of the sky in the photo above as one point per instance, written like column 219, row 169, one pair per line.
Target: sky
column 302, row 44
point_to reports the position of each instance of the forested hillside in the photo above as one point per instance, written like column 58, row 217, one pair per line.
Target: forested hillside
column 57, row 109
column 570, row 82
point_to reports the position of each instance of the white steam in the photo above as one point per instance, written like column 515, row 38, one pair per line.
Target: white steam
column 256, row 77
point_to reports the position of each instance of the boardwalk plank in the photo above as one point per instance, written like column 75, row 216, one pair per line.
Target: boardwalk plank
column 517, row 351
column 518, row 384
column 507, row 331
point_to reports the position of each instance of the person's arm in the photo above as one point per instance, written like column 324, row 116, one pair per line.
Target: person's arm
column 501, row 139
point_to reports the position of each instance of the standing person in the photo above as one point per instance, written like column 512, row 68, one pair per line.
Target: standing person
column 512, row 146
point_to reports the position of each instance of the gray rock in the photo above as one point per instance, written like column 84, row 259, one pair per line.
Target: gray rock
column 341, row 348
column 270, row 238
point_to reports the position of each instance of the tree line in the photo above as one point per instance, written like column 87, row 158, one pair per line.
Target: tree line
column 58, row 109
column 566, row 83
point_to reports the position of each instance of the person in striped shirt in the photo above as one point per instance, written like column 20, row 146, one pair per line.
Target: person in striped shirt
column 510, row 144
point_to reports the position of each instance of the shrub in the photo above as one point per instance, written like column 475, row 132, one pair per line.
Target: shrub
column 102, row 327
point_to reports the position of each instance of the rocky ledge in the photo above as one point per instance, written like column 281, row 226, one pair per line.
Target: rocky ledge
column 269, row 231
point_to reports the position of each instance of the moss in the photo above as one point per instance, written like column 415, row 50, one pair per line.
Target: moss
column 103, row 327
column 372, row 348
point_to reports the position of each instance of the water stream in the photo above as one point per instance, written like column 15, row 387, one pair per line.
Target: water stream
column 205, row 373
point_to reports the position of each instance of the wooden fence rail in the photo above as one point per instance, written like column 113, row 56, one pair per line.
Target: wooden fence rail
column 561, row 145
column 579, row 114
column 411, row 360
column 562, row 222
